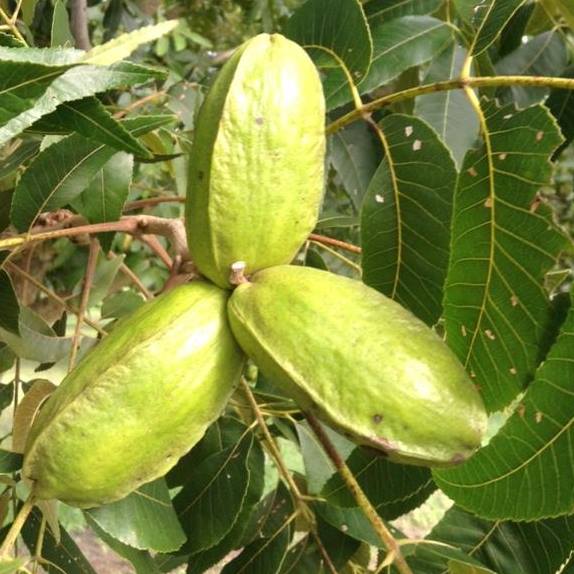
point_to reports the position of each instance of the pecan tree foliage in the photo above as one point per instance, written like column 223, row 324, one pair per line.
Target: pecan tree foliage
column 449, row 190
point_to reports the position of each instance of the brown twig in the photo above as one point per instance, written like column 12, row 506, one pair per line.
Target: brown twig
column 79, row 24
column 298, row 497
column 87, row 287
column 137, row 225
column 136, row 281
column 334, row 242
column 14, row 268
column 360, row 497
column 152, row 201
column 152, row 242
column 139, row 103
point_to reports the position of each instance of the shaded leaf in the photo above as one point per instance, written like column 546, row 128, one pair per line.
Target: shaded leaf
column 355, row 154
column 140, row 559
column 17, row 158
column 561, row 104
column 527, row 470
column 61, row 172
column 122, row 46
column 490, row 18
column 9, row 306
column 405, row 220
column 75, row 84
column 104, row 198
column 543, row 55
column 237, row 536
column 509, row 547
column 442, row 559
column 384, row 10
column 264, row 556
column 145, row 519
column 340, row 28
column 403, row 43
column 120, row 304
column 351, row 521
column 7, row 566
column 6, row 395
column 216, row 488
column 61, row 33
column 449, row 113
column 502, row 245
column 9, row 461
column 393, row 489
column 22, row 84
column 62, row 556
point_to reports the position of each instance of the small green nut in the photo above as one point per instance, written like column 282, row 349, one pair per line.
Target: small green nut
column 138, row 401
column 256, row 169
column 360, row 362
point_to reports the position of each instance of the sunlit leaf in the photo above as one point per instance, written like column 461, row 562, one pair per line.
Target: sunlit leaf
column 405, row 221
column 385, row 10
column 543, row 55
column 145, row 519
column 76, row 83
column 122, row 46
column 449, row 113
column 508, row 547
column 503, row 243
column 490, row 17
column 526, row 472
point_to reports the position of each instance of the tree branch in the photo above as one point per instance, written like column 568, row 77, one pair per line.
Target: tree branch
column 360, row 497
column 456, row 84
column 79, row 24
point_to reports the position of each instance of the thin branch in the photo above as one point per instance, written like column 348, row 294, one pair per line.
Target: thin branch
column 14, row 268
column 88, row 282
column 16, row 527
column 137, row 225
column 151, row 201
column 334, row 242
column 456, row 84
column 79, row 24
column 136, row 281
column 139, row 103
column 350, row 481
column 298, row 497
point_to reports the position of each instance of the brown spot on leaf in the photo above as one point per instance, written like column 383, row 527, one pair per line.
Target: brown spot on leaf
column 521, row 410
column 377, row 419
column 538, row 416
column 490, row 334
column 539, row 136
column 259, row 121
column 472, row 172
column 488, row 202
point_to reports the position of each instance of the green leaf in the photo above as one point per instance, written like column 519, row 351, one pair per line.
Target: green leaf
column 354, row 152
column 104, row 198
column 9, row 461
column 37, row 341
column 6, row 395
column 561, row 104
column 9, row 41
column 120, row 304
column 22, row 84
column 54, row 57
column 90, row 118
column 384, row 10
column 405, row 220
column 141, row 560
column 122, row 46
column 508, row 547
column 106, row 271
column 339, row 28
column 495, row 305
column 8, row 565
column 9, row 306
column 75, row 84
column 393, row 489
column 145, row 519
column 543, row 55
column 526, row 472
column 18, row 157
column 216, row 488
column 351, row 521
column 449, row 113
column 490, row 18
column 201, row 561
column 566, row 9
column 5, row 202
column 61, row 34
column 403, row 43
column 61, row 556
column 264, row 556
column 61, row 172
